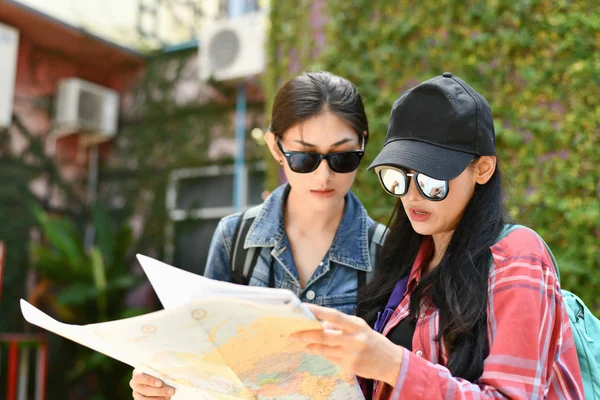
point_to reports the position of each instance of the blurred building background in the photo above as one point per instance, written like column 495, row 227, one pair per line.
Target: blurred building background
column 132, row 126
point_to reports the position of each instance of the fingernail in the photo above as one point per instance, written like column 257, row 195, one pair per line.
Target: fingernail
column 157, row 383
column 171, row 392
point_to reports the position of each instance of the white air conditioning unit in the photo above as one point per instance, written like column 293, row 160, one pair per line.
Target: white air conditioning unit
column 82, row 106
column 9, row 45
column 233, row 48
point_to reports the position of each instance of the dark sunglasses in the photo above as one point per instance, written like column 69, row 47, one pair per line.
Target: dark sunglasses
column 395, row 181
column 304, row 162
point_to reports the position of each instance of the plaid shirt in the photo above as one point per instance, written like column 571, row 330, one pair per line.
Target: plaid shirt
column 532, row 351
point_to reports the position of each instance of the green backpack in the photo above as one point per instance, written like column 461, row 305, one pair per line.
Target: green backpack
column 586, row 330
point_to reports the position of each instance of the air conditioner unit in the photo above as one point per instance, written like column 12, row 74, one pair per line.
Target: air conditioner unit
column 233, row 48
column 86, row 107
column 9, row 45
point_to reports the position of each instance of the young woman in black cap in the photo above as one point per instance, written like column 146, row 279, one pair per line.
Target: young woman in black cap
column 455, row 310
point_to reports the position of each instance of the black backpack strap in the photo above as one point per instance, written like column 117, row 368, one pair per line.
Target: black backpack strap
column 362, row 278
column 243, row 260
column 377, row 233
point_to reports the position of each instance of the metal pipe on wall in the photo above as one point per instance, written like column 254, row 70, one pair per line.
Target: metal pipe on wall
column 237, row 8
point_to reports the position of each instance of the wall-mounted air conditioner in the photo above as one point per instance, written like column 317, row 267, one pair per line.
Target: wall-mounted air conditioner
column 233, row 48
column 82, row 106
column 9, row 45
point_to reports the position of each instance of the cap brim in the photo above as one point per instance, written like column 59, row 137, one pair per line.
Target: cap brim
column 437, row 162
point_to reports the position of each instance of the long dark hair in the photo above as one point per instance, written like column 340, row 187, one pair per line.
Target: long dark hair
column 458, row 286
column 313, row 93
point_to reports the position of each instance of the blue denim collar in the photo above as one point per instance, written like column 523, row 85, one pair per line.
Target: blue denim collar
column 268, row 229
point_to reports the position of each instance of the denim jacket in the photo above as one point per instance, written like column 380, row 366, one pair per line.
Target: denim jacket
column 334, row 282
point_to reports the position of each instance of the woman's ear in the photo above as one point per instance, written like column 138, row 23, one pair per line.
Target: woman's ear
column 271, row 141
column 485, row 167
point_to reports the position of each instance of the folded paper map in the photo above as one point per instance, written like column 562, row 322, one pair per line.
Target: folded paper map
column 215, row 340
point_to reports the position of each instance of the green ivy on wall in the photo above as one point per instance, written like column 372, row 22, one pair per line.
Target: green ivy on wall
column 536, row 62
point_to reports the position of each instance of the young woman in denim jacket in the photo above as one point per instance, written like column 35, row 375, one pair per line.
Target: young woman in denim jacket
column 312, row 233
column 456, row 309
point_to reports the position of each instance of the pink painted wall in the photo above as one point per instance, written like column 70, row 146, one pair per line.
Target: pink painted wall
column 39, row 71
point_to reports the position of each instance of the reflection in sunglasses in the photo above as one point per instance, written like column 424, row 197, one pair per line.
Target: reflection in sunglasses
column 396, row 182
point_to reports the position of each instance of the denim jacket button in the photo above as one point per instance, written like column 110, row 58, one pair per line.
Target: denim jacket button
column 310, row 295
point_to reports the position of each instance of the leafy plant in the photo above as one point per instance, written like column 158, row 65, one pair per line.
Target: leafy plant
column 81, row 276
column 84, row 285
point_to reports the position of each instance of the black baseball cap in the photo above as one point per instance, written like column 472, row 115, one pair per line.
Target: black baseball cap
column 437, row 128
